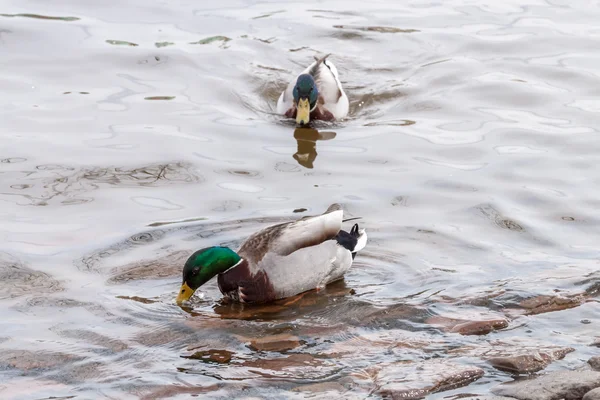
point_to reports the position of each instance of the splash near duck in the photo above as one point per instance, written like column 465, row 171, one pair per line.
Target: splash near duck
column 315, row 94
column 278, row 261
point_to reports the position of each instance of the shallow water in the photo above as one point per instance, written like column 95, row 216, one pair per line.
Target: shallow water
column 136, row 132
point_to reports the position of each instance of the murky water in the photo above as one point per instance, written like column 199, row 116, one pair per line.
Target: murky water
column 133, row 133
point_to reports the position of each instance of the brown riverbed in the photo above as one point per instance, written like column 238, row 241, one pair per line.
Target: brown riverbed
column 133, row 133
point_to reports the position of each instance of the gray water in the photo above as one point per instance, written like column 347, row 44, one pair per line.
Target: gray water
column 133, row 133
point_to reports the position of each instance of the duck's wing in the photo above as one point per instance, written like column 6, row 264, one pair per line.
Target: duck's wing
column 286, row 238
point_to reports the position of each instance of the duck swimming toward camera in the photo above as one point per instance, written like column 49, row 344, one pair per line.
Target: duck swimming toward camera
column 315, row 94
column 278, row 261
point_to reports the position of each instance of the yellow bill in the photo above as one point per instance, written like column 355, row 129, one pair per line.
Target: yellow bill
column 184, row 293
column 303, row 112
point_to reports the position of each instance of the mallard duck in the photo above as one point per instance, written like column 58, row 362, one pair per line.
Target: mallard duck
column 278, row 261
column 315, row 94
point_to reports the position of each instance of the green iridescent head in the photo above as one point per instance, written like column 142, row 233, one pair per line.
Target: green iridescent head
column 305, row 97
column 202, row 266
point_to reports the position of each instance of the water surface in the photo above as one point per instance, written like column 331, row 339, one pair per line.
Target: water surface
column 134, row 133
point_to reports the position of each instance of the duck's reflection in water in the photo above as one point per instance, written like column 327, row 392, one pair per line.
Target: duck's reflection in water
column 336, row 304
column 306, row 138
column 312, row 301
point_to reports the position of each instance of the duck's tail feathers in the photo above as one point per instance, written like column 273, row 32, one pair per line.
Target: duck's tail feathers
column 332, row 208
column 321, row 59
column 361, row 238
column 315, row 70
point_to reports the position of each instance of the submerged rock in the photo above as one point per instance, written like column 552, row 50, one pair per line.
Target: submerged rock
column 468, row 327
column 214, row 356
column 18, row 280
column 415, row 381
column 479, row 327
column 278, row 364
column 173, row 335
column 80, row 373
column 170, row 391
column 282, row 342
column 28, row 360
column 321, row 387
column 544, row 304
column 592, row 395
column 514, row 354
column 567, row 385
column 167, row 266
column 97, row 339
column 299, row 367
column 529, row 363
column 365, row 345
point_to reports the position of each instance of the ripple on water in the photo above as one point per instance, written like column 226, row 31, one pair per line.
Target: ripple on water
column 50, row 183
column 154, row 240
column 39, row 16
column 89, row 337
column 241, row 187
column 19, row 280
column 241, row 173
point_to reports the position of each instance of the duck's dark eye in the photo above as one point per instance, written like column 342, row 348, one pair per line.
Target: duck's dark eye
column 195, row 271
